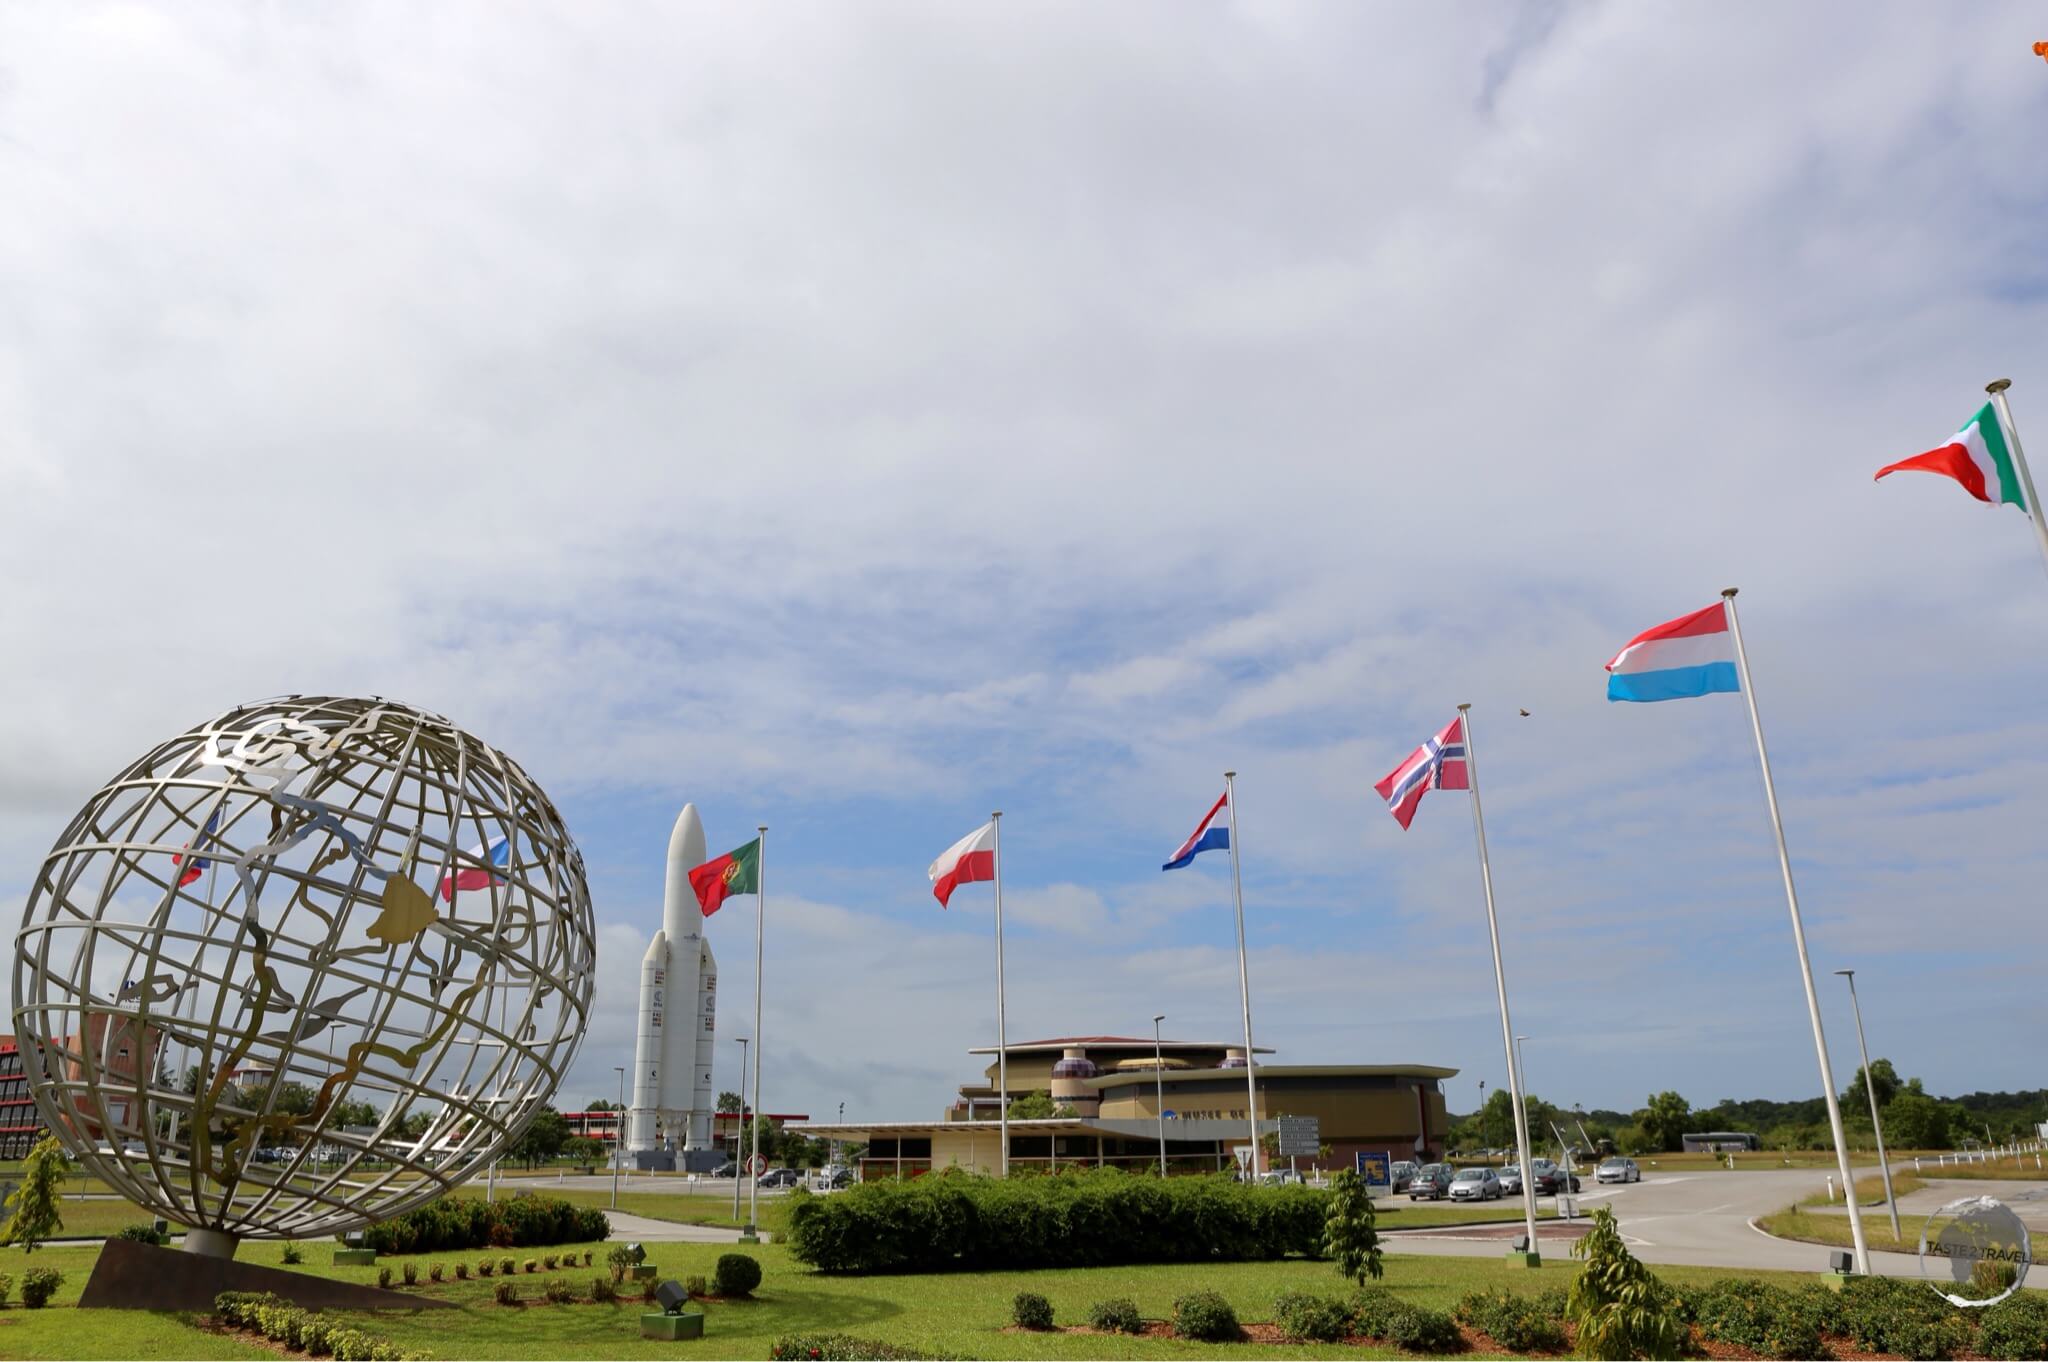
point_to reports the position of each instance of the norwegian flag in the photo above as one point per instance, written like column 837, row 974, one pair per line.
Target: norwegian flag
column 1439, row 764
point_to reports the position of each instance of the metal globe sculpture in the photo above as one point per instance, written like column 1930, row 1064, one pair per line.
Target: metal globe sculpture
column 303, row 967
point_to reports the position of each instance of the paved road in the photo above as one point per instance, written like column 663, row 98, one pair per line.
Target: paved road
column 1695, row 1218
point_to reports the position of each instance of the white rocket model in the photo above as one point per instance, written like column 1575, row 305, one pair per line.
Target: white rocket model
column 672, row 1093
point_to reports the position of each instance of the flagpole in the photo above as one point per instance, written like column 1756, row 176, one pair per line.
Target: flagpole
column 1997, row 389
column 1244, row 979
column 1500, row 984
column 1820, row 1040
column 760, row 1107
column 1002, row 1035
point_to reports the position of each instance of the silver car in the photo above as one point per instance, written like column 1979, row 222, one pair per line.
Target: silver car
column 1475, row 1184
column 1401, row 1174
column 1618, row 1170
column 1511, row 1179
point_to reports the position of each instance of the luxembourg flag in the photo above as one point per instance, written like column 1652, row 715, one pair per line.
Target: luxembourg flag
column 1682, row 658
column 472, row 875
column 967, row 861
column 1209, row 835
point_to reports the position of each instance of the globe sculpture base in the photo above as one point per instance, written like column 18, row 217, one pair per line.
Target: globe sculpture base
column 137, row 1276
column 212, row 1243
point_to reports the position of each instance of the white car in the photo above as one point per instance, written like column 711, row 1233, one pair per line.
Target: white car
column 1618, row 1170
column 1475, row 1184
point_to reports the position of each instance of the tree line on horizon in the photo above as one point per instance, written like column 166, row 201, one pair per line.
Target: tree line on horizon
column 1913, row 1119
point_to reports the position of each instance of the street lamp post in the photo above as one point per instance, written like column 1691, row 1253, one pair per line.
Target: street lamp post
column 1870, row 1089
column 618, row 1148
column 1159, row 1090
column 739, row 1130
column 1485, row 1134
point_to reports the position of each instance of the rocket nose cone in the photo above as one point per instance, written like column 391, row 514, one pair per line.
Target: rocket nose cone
column 686, row 842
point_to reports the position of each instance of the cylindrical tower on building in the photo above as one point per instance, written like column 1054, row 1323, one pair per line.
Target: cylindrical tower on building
column 1070, row 1082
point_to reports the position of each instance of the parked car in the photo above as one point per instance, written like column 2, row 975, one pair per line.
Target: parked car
column 836, row 1179
column 781, row 1177
column 1275, row 1177
column 1618, row 1170
column 1549, row 1178
column 1475, row 1184
column 1402, row 1174
column 725, row 1170
column 1511, row 1179
column 1432, row 1182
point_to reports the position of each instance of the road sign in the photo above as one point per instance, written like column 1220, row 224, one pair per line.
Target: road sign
column 1244, row 1156
column 758, row 1164
column 1377, row 1168
column 1300, row 1136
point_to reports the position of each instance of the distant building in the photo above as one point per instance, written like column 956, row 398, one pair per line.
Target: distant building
column 1108, row 1089
column 20, row 1124
column 1720, row 1142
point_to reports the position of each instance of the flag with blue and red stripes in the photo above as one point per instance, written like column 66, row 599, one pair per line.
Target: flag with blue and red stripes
column 1209, row 835
column 1439, row 764
column 195, row 866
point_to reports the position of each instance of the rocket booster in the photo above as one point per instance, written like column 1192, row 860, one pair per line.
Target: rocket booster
column 672, row 1084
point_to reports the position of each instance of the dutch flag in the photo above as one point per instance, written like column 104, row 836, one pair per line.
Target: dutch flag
column 1209, row 835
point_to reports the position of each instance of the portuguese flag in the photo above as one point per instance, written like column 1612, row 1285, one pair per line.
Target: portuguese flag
column 736, row 872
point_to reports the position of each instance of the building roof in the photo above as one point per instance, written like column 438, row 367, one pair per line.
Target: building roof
column 1265, row 1071
column 1117, row 1043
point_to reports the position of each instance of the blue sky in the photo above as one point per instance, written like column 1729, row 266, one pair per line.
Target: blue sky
column 857, row 420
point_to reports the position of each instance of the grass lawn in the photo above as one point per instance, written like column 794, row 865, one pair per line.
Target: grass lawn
column 1833, row 1230
column 1870, row 1190
column 959, row 1313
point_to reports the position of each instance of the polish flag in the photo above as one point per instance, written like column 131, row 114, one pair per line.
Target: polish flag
column 968, row 860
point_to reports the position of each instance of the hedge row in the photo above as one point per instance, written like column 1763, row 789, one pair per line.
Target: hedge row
column 278, row 1320
column 460, row 1223
column 1089, row 1219
column 840, row 1348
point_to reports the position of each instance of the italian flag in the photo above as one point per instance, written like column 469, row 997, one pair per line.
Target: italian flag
column 736, row 872
column 1977, row 457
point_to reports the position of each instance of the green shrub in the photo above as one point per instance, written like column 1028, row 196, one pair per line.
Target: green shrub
column 291, row 1256
column 6, row 1287
column 648, row 1289
column 1116, row 1316
column 1426, row 1331
column 2015, row 1328
column 145, row 1234
column 839, row 1348
column 1307, row 1318
column 1205, row 1316
column 522, row 1221
column 736, row 1275
column 586, row 1257
column 1515, row 1322
column 1349, row 1236
column 602, row 1290
column 1619, row 1306
column 485, row 1267
column 531, row 1265
column 412, row 1274
column 697, row 1287
column 621, row 1260
column 506, row 1293
column 558, row 1291
column 1373, row 1309
column 1096, row 1218
column 462, row 1272
column 434, row 1273
column 506, row 1267
column 1028, row 1311
column 1552, row 1301
column 547, row 1260
column 1886, row 1315
column 384, row 1278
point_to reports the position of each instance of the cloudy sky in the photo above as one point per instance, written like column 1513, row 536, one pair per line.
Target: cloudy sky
column 857, row 418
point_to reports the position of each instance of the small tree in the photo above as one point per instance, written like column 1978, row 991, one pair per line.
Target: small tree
column 1619, row 1306
column 1349, row 1237
column 36, row 1216
column 1031, row 1106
